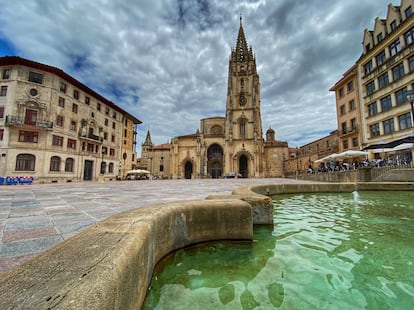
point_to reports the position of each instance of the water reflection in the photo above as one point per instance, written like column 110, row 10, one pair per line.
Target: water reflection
column 328, row 251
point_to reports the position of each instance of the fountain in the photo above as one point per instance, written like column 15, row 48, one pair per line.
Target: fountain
column 321, row 253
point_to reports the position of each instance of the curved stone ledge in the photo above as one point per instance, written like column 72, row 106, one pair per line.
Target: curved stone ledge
column 110, row 265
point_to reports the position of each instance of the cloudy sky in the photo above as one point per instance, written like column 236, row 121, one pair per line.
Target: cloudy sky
column 166, row 61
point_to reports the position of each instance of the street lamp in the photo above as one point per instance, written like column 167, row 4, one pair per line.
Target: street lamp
column 102, row 162
column 410, row 97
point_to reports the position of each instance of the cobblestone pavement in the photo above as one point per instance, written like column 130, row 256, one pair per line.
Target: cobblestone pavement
column 34, row 218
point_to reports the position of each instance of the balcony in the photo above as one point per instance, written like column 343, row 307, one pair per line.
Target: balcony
column 17, row 121
column 348, row 130
column 90, row 136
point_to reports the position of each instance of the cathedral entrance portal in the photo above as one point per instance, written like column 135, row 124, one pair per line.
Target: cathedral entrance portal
column 188, row 170
column 243, row 166
column 215, row 161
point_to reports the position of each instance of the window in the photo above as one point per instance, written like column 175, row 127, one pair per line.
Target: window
column 105, row 136
column 30, row 117
column 107, row 111
column 106, row 122
column 114, row 115
column 398, row 72
column 6, row 74
column 59, row 121
column 103, row 167
column 409, row 36
column 395, row 47
column 352, row 105
column 380, row 58
column 55, row 163
column 25, row 162
column 113, row 125
column 75, row 94
column 353, row 124
column 161, row 168
column 341, row 92
column 345, row 144
column 343, row 128
column 1, row 112
column 3, row 91
column 57, row 140
column 379, row 37
column 350, row 86
column 242, row 128
column 75, row 108
column 342, row 109
column 98, row 106
column 1, row 134
column 69, row 164
column 393, row 25
column 355, row 141
column 62, row 87
column 368, row 67
column 105, row 150
column 112, row 138
column 125, row 132
column 87, row 100
column 408, row 11
column 111, row 168
column 372, row 109
column 61, row 102
column 28, row 136
column 388, row 126
column 368, row 47
column 71, row 144
column 383, row 80
column 73, row 125
column 401, row 96
column 35, row 77
column 386, row 103
column 404, row 121
column 112, row 152
column 370, row 87
column 411, row 63
column 374, row 130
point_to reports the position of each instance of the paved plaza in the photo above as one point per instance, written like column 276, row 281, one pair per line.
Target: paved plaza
column 34, row 218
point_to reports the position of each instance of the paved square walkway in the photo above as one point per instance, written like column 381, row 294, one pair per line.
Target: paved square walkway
column 34, row 218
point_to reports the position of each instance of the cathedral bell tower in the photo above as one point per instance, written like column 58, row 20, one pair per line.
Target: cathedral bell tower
column 243, row 130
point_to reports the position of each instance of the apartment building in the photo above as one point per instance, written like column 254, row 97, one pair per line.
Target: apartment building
column 348, row 111
column 56, row 129
column 385, row 74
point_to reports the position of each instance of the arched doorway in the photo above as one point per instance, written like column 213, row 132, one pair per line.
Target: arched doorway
column 243, row 166
column 188, row 170
column 215, row 161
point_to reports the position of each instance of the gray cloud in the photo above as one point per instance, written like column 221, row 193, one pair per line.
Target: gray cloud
column 166, row 61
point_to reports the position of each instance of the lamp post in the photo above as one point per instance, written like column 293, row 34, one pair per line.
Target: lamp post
column 410, row 97
column 102, row 162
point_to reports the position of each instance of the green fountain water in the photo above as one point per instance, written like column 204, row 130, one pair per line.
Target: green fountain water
column 325, row 251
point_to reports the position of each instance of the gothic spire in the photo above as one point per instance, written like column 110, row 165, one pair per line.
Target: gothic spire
column 148, row 140
column 242, row 52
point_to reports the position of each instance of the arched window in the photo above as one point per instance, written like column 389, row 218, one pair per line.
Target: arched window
column 242, row 127
column 111, row 168
column 216, row 130
column 55, row 163
column 25, row 162
column 69, row 164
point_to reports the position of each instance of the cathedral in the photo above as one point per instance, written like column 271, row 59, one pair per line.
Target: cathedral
column 229, row 146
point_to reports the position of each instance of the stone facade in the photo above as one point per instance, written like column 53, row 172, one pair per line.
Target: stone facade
column 232, row 145
column 56, row 129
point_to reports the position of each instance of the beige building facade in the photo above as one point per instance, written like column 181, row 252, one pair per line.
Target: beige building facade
column 385, row 75
column 56, row 129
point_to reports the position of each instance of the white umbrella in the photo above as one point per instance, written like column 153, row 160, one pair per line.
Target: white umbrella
column 351, row 154
column 327, row 158
column 138, row 171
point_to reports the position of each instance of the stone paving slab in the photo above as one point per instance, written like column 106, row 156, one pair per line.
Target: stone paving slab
column 34, row 218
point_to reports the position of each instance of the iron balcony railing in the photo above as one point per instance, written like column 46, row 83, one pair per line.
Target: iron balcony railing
column 12, row 120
